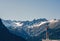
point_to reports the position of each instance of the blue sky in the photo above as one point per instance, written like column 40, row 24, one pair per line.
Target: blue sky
column 29, row 9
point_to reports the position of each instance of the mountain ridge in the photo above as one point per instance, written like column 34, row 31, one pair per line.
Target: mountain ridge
column 5, row 35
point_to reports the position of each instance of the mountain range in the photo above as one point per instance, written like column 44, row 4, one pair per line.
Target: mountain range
column 34, row 30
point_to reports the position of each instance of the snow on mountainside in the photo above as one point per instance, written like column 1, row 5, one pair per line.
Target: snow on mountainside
column 30, row 28
column 54, row 23
column 10, row 23
column 19, row 24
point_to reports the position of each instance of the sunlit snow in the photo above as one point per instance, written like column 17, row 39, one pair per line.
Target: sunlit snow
column 36, row 25
column 53, row 23
column 19, row 24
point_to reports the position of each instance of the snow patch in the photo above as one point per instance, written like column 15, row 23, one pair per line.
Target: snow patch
column 19, row 24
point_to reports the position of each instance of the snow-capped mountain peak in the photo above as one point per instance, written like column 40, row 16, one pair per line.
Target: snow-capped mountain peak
column 54, row 23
